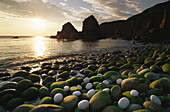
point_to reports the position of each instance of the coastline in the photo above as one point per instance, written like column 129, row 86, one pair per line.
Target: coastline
column 125, row 63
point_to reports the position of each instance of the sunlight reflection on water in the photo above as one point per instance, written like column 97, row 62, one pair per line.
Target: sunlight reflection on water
column 39, row 46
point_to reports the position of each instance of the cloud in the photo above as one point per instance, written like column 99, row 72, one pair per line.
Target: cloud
column 62, row 3
column 33, row 9
column 115, row 9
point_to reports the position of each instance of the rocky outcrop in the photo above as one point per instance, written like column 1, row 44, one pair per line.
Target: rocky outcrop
column 68, row 32
column 152, row 25
column 91, row 30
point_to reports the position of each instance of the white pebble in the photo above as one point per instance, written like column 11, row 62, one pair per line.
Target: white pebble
column 77, row 93
column 123, row 103
column 83, row 105
column 58, row 98
column 119, row 81
column 134, row 93
column 79, row 86
column 86, row 80
column 107, row 90
column 89, row 86
column 155, row 99
column 99, row 75
column 106, row 82
column 66, row 88
column 90, row 93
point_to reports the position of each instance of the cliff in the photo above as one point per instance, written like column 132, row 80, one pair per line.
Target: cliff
column 152, row 25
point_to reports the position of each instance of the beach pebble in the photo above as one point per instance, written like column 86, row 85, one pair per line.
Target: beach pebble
column 86, row 80
column 83, row 105
column 66, row 88
column 107, row 90
column 89, row 86
column 58, row 98
column 99, row 75
column 106, row 82
column 79, row 86
column 90, row 93
column 118, row 81
column 134, row 93
column 123, row 103
column 155, row 99
column 77, row 93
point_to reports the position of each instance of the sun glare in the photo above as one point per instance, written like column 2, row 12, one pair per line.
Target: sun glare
column 39, row 46
column 38, row 23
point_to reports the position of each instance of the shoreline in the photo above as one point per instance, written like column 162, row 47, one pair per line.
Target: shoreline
column 34, row 61
column 122, row 64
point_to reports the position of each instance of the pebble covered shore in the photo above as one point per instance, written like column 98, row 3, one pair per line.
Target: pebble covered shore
column 136, row 80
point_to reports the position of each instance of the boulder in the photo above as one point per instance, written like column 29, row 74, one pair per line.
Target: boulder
column 69, row 103
column 111, row 75
column 43, row 92
column 112, row 109
column 24, row 108
column 153, row 107
column 13, row 103
column 46, row 100
column 59, row 84
column 47, row 108
column 130, row 83
column 115, row 92
column 30, row 94
column 99, row 101
column 23, row 85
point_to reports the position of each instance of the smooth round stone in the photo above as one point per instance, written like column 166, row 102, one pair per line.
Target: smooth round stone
column 66, row 88
column 107, row 90
column 134, row 93
column 86, row 80
column 118, row 81
column 83, row 105
column 58, row 98
column 89, row 86
column 142, row 72
column 90, row 93
column 99, row 75
column 79, row 86
column 77, row 93
column 106, row 82
column 155, row 99
column 123, row 103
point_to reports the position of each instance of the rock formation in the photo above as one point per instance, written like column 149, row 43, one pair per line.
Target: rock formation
column 152, row 25
column 68, row 32
column 91, row 30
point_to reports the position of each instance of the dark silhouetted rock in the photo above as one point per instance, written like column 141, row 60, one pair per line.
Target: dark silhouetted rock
column 68, row 32
column 91, row 29
column 152, row 25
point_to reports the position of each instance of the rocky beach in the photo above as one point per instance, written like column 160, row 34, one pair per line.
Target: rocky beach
column 117, row 66
column 113, row 81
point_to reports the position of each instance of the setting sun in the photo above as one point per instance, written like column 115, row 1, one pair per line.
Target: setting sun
column 38, row 23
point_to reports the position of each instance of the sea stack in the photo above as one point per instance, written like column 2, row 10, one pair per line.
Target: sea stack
column 68, row 32
column 91, row 30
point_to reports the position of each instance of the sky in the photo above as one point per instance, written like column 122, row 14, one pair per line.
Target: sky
column 46, row 17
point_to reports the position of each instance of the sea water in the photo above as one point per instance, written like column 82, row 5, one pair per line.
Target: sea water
column 28, row 49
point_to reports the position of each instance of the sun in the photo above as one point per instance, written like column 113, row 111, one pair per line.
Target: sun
column 38, row 23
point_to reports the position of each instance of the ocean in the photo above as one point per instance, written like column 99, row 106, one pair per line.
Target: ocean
column 23, row 50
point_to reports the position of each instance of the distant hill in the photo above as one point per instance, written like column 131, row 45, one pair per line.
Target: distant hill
column 152, row 25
